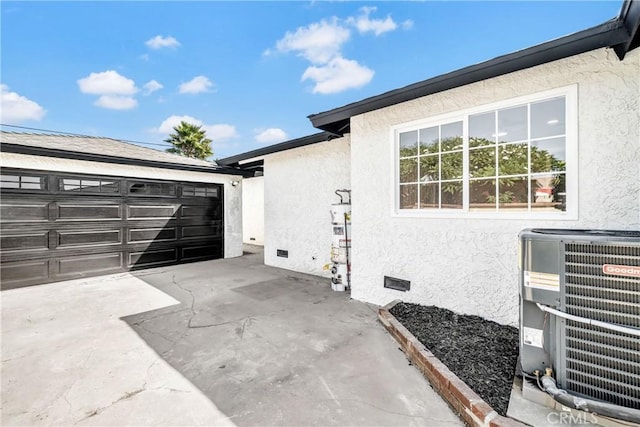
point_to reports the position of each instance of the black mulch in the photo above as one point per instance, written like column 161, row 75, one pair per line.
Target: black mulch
column 480, row 352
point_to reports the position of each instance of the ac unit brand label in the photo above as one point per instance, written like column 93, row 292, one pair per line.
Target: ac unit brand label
column 621, row 270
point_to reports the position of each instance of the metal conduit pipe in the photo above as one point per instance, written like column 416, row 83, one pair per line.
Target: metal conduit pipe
column 587, row 405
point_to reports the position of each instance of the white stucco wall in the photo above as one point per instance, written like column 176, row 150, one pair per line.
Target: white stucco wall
column 469, row 265
column 253, row 210
column 232, row 195
column 299, row 187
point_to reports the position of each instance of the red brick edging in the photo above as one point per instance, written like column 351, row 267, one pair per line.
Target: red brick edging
column 470, row 407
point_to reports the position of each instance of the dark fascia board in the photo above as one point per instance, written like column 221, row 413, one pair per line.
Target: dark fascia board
column 74, row 155
column 283, row 146
column 630, row 16
column 609, row 34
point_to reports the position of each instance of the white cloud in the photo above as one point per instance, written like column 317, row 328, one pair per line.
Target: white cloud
column 107, row 83
column 271, row 136
column 221, row 132
column 407, row 25
column 338, row 75
column 318, row 42
column 158, row 42
column 151, row 86
column 218, row 132
column 365, row 24
column 15, row 108
column 116, row 102
column 197, row 84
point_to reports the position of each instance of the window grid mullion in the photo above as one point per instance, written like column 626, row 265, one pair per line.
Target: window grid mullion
column 529, row 166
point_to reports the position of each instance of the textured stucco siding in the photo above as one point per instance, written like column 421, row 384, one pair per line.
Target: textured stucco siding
column 470, row 265
column 232, row 195
column 299, row 187
column 253, row 210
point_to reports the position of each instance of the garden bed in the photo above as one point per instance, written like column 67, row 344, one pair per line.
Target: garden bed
column 482, row 353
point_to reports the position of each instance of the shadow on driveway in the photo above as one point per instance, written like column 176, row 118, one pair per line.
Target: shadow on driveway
column 272, row 347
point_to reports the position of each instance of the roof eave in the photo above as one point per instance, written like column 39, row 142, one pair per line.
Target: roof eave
column 74, row 155
column 609, row 34
column 234, row 161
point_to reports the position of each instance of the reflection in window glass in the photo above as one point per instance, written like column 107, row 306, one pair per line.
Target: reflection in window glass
column 429, row 140
column 548, row 155
column 409, row 196
column 513, row 193
column 513, row 159
column 409, row 143
column 512, row 124
column 548, row 192
column 482, row 129
column 429, row 194
column 482, row 194
column 506, row 157
column 547, row 118
column 409, row 170
column 451, row 195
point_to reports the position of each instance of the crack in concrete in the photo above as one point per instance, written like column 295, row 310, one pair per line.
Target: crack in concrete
column 140, row 322
column 127, row 395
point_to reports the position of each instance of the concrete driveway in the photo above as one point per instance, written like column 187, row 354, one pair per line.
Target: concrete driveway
column 213, row 343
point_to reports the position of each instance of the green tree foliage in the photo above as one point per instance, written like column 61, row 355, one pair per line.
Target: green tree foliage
column 190, row 141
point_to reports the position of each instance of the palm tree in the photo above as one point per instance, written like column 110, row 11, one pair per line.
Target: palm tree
column 190, row 141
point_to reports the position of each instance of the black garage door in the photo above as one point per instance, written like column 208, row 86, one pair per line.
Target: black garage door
column 58, row 226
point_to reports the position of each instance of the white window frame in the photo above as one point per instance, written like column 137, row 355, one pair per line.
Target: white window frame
column 571, row 151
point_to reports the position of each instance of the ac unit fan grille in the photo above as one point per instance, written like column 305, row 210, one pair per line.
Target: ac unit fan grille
column 600, row 363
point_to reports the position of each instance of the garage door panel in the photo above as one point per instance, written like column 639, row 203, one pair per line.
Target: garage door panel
column 152, row 257
column 74, row 225
column 89, row 238
column 24, row 241
column 149, row 212
column 20, row 273
column 83, row 265
column 197, row 231
column 88, row 212
column 138, row 235
column 202, row 252
column 12, row 212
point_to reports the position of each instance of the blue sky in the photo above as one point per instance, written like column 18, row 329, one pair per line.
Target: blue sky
column 249, row 72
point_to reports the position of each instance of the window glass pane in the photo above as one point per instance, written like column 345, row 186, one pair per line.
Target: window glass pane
column 548, row 192
column 9, row 181
column 482, row 162
column 451, row 195
column 187, row 190
column 200, row 191
column 513, row 159
column 91, row 185
column 512, row 124
column 212, row 192
column 429, row 196
column 409, row 143
column 31, row 185
column 110, row 187
column 409, row 196
column 67, row 184
column 548, row 155
column 482, row 128
column 30, row 179
column 547, row 118
column 452, row 165
column 409, row 170
column 451, row 137
column 482, row 194
column 429, row 140
column 513, row 194
column 429, row 168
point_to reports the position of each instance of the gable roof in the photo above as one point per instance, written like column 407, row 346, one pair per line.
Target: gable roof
column 100, row 149
column 620, row 33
